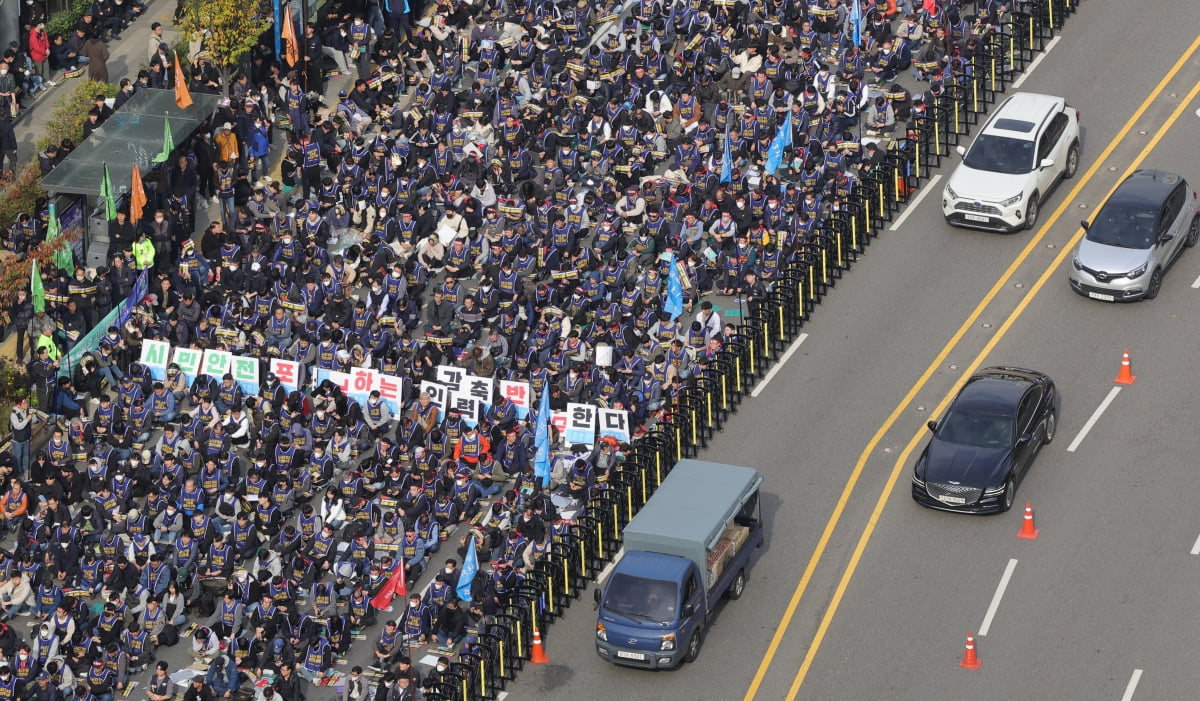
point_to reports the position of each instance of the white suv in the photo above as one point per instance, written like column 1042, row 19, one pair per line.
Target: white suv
column 1029, row 143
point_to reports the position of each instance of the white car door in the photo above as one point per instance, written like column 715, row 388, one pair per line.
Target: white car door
column 1050, row 146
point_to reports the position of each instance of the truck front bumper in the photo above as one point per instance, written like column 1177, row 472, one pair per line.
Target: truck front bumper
column 644, row 659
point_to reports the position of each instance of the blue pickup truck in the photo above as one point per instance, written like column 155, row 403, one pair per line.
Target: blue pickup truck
column 688, row 546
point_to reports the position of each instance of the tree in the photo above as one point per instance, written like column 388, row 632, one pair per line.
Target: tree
column 227, row 30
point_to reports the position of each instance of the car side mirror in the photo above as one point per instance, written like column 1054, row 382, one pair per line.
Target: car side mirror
column 1047, row 163
column 932, row 425
column 1085, row 224
column 689, row 610
column 1026, row 437
column 961, row 150
column 1167, row 238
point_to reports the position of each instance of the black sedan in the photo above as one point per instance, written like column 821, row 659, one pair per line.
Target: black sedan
column 982, row 448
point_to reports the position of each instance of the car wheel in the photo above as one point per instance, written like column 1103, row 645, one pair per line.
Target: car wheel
column 1072, row 161
column 1193, row 232
column 1050, row 428
column 1010, row 493
column 693, row 648
column 1031, row 214
column 738, row 587
column 1155, row 284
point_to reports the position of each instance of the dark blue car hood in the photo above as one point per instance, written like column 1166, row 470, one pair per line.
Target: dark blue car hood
column 967, row 465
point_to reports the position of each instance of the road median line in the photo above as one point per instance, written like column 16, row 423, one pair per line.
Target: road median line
column 996, row 598
column 1091, row 422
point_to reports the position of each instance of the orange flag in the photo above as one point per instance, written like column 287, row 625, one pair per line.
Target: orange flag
column 291, row 46
column 137, row 196
column 183, row 98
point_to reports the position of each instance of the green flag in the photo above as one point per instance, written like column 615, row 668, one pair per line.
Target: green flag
column 168, row 143
column 64, row 258
column 106, row 194
column 39, row 292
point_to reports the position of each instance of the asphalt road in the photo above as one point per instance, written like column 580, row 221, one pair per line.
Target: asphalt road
column 1109, row 586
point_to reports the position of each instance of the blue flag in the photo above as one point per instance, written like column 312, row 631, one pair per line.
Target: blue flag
column 541, row 439
column 856, row 20
column 782, row 140
column 674, row 304
column 467, row 576
column 727, row 158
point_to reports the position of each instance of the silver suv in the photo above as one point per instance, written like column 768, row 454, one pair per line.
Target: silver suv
column 1135, row 237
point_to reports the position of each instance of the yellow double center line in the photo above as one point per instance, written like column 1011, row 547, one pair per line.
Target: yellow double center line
column 937, row 362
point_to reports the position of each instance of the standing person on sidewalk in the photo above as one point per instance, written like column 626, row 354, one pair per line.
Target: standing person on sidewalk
column 8, row 145
column 22, row 314
column 156, row 38
column 39, row 51
column 97, row 55
column 21, row 423
column 8, row 94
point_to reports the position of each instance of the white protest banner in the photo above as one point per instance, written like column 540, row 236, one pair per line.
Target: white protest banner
column 245, row 373
column 216, row 363
column 189, row 361
column 438, row 393
column 287, row 372
column 154, row 357
column 451, row 377
column 471, row 407
column 615, row 423
column 581, row 424
column 519, row 394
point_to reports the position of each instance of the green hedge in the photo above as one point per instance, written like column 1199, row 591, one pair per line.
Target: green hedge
column 64, row 22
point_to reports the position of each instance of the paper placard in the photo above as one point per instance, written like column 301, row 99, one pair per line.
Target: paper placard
column 615, row 423
column 154, row 357
column 287, row 372
column 581, row 424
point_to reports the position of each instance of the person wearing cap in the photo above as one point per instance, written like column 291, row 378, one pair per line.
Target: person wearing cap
column 199, row 690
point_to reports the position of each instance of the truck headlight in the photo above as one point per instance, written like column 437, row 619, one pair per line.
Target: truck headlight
column 1012, row 200
column 668, row 642
column 601, row 632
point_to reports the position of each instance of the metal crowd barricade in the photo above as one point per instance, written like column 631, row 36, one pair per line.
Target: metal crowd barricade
column 715, row 400
column 958, row 114
column 729, row 379
column 900, row 160
column 751, row 337
column 566, row 557
column 482, row 687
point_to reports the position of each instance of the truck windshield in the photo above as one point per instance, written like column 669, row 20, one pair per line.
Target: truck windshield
column 642, row 599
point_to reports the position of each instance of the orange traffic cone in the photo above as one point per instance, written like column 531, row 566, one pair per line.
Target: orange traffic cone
column 1126, row 376
column 970, row 660
column 538, row 656
column 1028, row 532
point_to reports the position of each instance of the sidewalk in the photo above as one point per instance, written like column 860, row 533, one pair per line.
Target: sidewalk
column 127, row 57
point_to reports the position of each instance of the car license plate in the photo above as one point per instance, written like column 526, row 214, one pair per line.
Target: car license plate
column 630, row 655
column 1102, row 297
column 975, row 217
column 952, row 500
